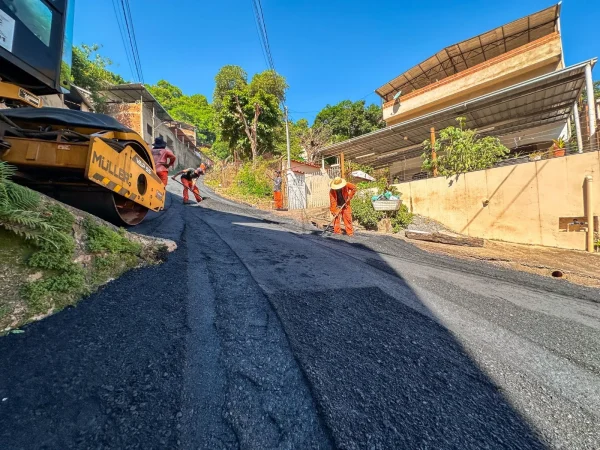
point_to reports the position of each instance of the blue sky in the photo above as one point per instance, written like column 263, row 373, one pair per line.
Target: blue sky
column 329, row 50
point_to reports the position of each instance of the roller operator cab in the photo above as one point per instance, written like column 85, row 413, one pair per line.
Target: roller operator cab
column 88, row 160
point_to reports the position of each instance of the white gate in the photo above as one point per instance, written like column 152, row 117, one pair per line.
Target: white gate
column 296, row 190
column 317, row 190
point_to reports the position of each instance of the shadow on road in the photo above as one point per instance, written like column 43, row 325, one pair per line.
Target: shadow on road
column 109, row 372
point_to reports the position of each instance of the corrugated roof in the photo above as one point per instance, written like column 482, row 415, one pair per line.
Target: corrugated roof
column 542, row 100
column 134, row 92
column 473, row 51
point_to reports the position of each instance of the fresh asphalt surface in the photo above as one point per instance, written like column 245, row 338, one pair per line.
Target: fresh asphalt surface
column 258, row 333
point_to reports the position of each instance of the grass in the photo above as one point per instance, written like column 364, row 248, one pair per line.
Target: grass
column 43, row 276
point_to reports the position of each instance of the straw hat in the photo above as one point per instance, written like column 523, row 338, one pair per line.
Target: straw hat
column 337, row 183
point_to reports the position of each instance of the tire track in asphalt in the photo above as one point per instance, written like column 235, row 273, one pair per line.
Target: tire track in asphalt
column 256, row 390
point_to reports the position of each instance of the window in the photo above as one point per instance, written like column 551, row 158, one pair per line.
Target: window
column 169, row 142
column 149, row 129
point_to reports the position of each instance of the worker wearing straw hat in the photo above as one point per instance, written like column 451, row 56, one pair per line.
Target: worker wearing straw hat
column 340, row 194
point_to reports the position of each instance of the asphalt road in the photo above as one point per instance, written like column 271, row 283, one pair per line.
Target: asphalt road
column 259, row 333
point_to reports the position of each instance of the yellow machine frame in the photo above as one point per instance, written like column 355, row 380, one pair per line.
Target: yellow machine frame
column 109, row 159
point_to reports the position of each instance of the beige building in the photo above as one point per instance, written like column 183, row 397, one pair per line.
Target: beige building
column 509, row 82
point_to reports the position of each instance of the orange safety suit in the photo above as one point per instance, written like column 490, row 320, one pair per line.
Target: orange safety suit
column 277, row 195
column 163, row 160
column 348, row 192
column 188, row 179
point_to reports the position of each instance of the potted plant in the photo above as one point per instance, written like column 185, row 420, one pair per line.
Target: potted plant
column 558, row 147
column 536, row 156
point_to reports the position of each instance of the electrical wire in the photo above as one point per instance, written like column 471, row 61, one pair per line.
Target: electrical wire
column 128, row 26
column 123, row 39
column 137, row 53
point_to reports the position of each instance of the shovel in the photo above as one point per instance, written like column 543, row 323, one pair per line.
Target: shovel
column 192, row 192
column 333, row 220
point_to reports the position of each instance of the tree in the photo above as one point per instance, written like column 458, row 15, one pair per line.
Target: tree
column 347, row 119
column 192, row 109
column 313, row 139
column 228, row 79
column 90, row 71
column 269, row 81
column 461, row 150
column 248, row 114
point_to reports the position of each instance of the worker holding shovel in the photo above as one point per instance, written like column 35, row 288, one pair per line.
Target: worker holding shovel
column 189, row 177
column 340, row 194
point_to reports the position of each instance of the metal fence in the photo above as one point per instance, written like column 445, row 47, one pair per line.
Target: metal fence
column 296, row 190
column 317, row 190
column 307, row 191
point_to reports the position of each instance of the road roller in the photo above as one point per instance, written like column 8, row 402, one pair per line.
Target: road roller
column 87, row 160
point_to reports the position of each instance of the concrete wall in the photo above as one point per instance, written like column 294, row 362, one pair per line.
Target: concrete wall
column 525, row 200
column 521, row 64
column 186, row 157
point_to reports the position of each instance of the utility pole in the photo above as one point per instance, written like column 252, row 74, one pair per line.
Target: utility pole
column 287, row 135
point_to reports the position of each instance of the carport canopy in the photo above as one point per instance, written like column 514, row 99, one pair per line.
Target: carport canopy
column 540, row 101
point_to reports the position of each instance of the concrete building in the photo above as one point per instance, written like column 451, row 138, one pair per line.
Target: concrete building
column 510, row 82
column 135, row 107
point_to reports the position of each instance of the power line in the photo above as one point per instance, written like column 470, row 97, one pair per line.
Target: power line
column 262, row 32
column 132, row 42
column 258, row 33
column 262, row 17
column 123, row 40
column 137, row 53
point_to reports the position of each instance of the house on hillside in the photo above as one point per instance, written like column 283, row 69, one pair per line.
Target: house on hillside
column 510, row 82
column 306, row 168
column 135, row 107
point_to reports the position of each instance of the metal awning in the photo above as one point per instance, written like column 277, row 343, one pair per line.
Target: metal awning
column 135, row 92
column 469, row 53
column 539, row 101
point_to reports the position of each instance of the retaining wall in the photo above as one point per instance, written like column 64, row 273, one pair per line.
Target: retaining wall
column 524, row 202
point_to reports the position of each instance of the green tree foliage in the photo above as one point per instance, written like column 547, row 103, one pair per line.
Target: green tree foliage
column 90, row 71
column 347, row 119
column 461, row 150
column 249, row 116
column 228, row 79
column 297, row 129
column 269, row 81
column 192, row 109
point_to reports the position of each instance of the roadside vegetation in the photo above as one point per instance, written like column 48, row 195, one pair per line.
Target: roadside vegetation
column 461, row 150
column 52, row 255
column 248, row 182
column 364, row 213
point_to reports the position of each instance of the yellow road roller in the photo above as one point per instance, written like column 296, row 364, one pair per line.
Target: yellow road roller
column 87, row 160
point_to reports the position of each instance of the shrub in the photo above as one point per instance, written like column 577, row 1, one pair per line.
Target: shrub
column 364, row 213
column 401, row 219
column 253, row 180
column 461, row 150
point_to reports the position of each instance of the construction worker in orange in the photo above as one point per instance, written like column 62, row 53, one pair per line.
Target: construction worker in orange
column 340, row 194
column 277, row 195
column 164, row 159
column 189, row 177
